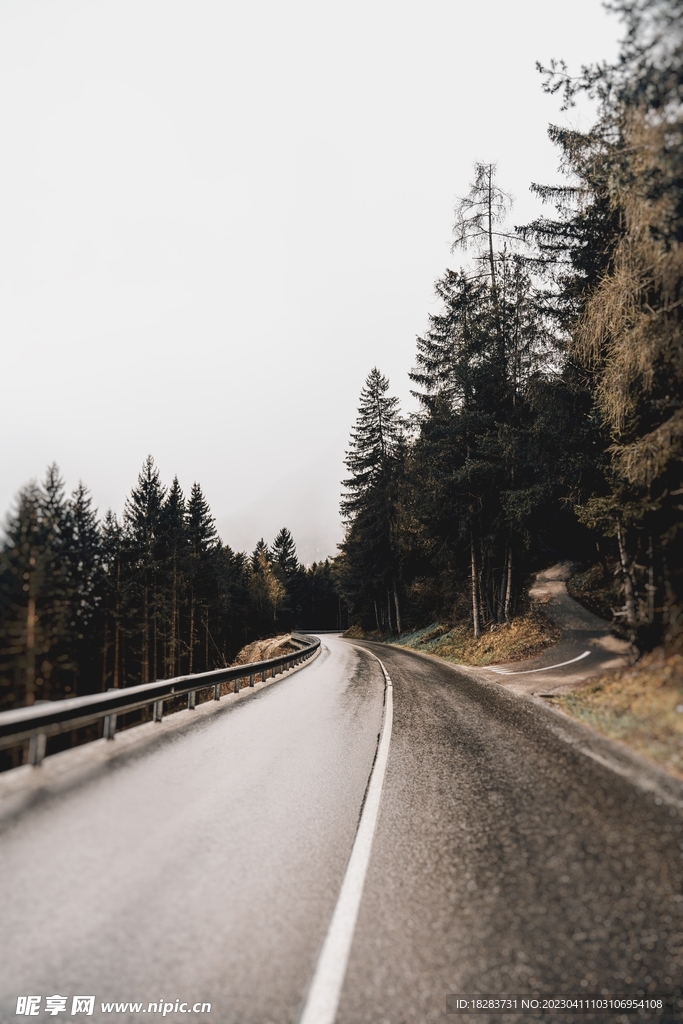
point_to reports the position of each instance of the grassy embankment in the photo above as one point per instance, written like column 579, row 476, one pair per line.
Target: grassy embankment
column 641, row 705
column 522, row 638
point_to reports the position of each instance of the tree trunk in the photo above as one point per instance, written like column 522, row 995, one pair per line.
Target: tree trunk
column 117, row 625
column 391, row 626
column 398, row 610
column 174, row 616
column 629, row 596
column 651, row 588
column 508, row 584
column 379, row 629
column 492, row 264
column 191, row 656
column 475, row 587
column 144, row 673
column 105, row 654
column 31, row 649
column 117, row 642
column 154, row 632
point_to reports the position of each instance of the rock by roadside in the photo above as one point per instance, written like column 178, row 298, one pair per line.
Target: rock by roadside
column 261, row 650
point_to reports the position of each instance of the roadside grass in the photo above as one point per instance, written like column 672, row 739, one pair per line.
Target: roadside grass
column 521, row 638
column 642, row 706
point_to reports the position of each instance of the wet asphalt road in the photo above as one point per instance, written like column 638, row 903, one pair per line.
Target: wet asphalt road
column 204, row 869
column 207, row 867
column 506, row 861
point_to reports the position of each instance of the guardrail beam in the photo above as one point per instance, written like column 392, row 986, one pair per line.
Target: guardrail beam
column 52, row 718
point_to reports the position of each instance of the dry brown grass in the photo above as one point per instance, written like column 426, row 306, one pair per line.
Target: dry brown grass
column 522, row 638
column 356, row 632
column 641, row 706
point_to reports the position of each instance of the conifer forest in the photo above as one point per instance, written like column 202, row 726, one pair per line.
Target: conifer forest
column 88, row 605
column 549, row 381
column 549, row 386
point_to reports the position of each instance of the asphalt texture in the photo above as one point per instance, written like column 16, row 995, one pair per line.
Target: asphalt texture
column 507, row 862
column 206, row 866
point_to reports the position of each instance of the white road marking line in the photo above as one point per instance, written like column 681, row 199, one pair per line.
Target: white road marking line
column 528, row 671
column 323, row 996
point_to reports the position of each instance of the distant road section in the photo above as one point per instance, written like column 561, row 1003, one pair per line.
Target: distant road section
column 507, row 857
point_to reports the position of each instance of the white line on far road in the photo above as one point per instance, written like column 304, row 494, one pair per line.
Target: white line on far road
column 323, row 996
column 528, row 671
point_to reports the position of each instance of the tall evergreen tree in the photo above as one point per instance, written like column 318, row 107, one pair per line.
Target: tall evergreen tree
column 284, row 553
column 375, row 461
column 142, row 518
column 203, row 542
column 173, row 549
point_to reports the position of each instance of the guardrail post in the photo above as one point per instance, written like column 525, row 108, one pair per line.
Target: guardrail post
column 109, row 722
column 36, row 728
column 236, row 685
column 109, row 727
column 36, row 749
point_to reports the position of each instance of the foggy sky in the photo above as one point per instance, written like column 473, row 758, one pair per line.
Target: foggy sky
column 215, row 218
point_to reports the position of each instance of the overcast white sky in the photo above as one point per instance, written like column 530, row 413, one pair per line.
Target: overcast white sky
column 216, row 217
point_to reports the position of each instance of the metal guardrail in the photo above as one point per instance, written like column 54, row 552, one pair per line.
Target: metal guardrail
column 38, row 722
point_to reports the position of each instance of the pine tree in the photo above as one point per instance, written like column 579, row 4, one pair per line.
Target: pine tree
column 453, row 340
column 376, row 441
column 25, row 637
column 202, row 543
column 141, row 516
column 82, row 552
column 375, row 460
column 172, row 553
column 114, row 600
column 284, row 554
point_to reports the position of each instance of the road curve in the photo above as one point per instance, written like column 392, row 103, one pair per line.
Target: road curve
column 507, row 860
column 207, row 866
